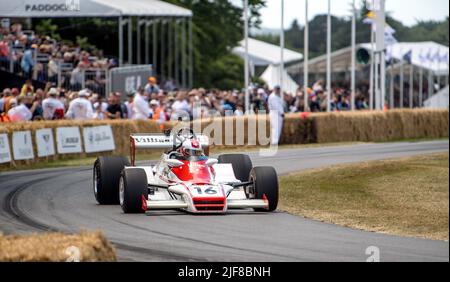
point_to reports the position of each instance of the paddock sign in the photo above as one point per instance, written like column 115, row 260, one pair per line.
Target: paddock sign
column 44, row 142
column 68, row 140
column 5, row 153
column 22, row 145
column 98, row 139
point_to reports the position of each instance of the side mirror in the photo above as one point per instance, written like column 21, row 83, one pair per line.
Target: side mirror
column 211, row 162
column 174, row 163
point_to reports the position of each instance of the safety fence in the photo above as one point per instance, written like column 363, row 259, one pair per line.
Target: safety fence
column 101, row 80
column 45, row 141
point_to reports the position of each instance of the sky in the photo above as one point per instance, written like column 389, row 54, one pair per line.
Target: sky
column 406, row 11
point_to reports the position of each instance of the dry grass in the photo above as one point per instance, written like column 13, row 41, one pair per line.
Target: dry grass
column 53, row 247
column 408, row 197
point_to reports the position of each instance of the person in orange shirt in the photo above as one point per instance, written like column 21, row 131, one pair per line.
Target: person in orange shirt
column 158, row 113
column 7, row 101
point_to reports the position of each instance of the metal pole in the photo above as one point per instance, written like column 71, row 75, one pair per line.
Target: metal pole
column 353, row 75
column 391, row 88
column 130, row 40
column 246, row 60
column 420, row 87
column 191, row 54
column 377, row 80
column 120, row 41
column 155, row 46
column 169, row 48
column 372, row 65
column 382, row 80
column 402, row 83
column 177, row 53
column 163, row 49
column 147, row 41
column 183, row 54
column 411, row 87
column 282, row 50
column 306, row 60
column 138, row 40
column 381, row 22
column 430, row 84
column 329, row 57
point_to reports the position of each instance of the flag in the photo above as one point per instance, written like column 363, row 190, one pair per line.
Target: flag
column 437, row 56
column 444, row 58
column 422, row 57
column 429, row 56
column 407, row 57
column 389, row 37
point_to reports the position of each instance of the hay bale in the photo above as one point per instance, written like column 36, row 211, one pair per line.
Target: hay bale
column 56, row 247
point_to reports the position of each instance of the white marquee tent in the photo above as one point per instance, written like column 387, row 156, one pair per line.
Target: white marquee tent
column 264, row 54
column 89, row 8
column 438, row 101
column 423, row 55
column 272, row 77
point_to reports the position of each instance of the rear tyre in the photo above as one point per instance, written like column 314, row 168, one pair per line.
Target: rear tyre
column 106, row 175
column 133, row 189
column 265, row 186
column 242, row 165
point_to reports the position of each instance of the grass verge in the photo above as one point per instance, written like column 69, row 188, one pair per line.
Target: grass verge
column 56, row 247
column 408, row 196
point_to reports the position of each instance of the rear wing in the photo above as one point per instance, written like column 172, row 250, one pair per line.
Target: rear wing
column 158, row 141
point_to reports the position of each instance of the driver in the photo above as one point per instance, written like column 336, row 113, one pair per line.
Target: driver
column 191, row 149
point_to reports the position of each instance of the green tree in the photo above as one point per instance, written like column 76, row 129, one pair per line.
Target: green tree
column 46, row 27
column 218, row 27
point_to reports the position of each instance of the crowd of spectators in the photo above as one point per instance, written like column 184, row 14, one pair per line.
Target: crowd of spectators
column 153, row 102
column 160, row 102
column 42, row 58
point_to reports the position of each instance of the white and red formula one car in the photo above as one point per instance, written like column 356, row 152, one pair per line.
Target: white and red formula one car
column 184, row 178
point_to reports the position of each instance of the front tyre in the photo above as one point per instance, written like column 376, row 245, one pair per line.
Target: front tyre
column 133, row 189
column 242, row 165
column 265, row 186
column 106, row 174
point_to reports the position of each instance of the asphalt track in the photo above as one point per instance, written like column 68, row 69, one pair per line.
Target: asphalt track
column 62, row 200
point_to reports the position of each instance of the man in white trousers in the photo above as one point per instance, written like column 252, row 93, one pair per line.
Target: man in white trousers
column 276, row 115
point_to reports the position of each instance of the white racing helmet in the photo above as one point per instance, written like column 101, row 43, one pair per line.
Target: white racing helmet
column 191, row 148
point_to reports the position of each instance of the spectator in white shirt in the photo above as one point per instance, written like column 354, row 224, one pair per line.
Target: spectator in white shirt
column 80, row 108
column 141, row 108
column 276, row 115
column 51, row 104
column 100, row 107
column 19, row 110
column 180, row 107
column 129, row 105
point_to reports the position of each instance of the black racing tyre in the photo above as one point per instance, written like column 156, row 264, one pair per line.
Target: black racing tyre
column 106, row 175
column 242, row 165
column 265, row 182
column 133, row 187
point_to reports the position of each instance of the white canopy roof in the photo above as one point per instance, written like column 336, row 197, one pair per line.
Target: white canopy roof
column 90, row 8
column 438, row 101
column 423, row 55
column 263, row 54
column 272, row 77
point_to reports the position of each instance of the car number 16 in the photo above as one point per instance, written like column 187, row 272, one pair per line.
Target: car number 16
column 205, row 190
